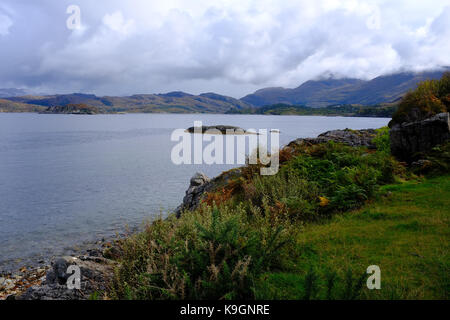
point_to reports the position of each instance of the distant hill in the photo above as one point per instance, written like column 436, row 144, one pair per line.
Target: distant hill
column 313, row 94
column 11, row 106
column 322, row 93
column 172, row 102
column 382, row 110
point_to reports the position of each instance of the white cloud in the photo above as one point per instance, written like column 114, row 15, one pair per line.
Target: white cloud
column 5, row 24
column 116, row 22
column 228, row 46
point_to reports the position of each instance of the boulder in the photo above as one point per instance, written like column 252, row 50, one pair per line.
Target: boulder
column 197, row 187
column 96, row 273
column 199, row 179
column 353, row 138
column 200, row 185
column 410, row 139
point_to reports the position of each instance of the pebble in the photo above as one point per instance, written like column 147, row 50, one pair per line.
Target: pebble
column 9, row 284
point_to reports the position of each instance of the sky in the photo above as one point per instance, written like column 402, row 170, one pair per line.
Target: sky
column 231, row 47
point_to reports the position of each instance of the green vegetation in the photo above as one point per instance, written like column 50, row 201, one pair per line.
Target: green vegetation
column 309, row 232
column 405, row 232
column 383, row 111
column 429, row 98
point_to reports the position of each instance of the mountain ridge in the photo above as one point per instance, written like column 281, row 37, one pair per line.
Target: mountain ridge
column 331, row 91
column 312, row 93
column 172, row 102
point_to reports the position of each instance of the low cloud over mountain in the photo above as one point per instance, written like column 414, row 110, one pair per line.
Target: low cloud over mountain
column 230, row 47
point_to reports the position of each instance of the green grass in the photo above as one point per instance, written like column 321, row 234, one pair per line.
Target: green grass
column 405, row 233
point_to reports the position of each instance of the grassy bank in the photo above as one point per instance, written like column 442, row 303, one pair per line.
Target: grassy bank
column 405, row 233
column 309, row 232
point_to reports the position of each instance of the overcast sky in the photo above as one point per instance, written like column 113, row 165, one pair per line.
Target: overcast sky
column 226, row 46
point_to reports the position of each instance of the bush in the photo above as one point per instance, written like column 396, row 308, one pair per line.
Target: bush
column 429, row 98
column 323, row 179
column 212, row 253
column 382, row 140
column 434, row 162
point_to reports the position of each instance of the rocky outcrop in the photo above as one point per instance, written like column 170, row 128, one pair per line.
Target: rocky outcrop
column 220, row 128
column 95, row 271
column 410, row 139
column 72, row 109
column 353, row 138
column 199, row 185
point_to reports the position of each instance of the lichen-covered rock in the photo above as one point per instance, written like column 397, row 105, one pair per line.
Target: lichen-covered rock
column 199, row 179
column 354, row 138
column 200, row 185
column 413, row 138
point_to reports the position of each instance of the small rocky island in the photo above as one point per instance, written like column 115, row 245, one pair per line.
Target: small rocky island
column 80, row 108
column 219, row 128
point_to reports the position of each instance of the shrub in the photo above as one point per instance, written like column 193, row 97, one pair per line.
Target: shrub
column 212, row 253
column 323, row 179
column 382, row 140
column 429, row 98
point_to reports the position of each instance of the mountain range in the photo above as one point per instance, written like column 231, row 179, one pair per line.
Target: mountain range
column 326, row 92
column 172, row 102
column 313, row 93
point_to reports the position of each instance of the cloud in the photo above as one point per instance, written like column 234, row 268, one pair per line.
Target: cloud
column 228, row 46
column 5, row 23
column 117, row 23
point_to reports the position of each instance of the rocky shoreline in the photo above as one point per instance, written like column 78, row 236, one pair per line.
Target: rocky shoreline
column 32, row 281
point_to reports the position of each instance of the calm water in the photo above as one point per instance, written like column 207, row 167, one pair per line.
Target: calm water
column 65, row 179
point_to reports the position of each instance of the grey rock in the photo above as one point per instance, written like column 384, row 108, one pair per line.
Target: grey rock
column 421, row 163
column 8, row 284
column 199, row 179
column 96, row 273
column 199, row 185
column 95, row 252
column 353, row 138
column 60, row 267
column 220, row 128
column 50, row 277
column 408, row 140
